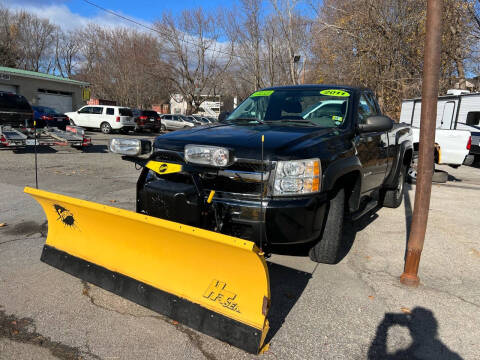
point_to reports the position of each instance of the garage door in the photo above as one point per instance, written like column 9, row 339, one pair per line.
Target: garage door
column 9, row 88
column 61, row 103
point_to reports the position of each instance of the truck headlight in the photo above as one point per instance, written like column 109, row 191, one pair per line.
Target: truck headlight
column 130, row 147
column 297, row 177
column 207, row 155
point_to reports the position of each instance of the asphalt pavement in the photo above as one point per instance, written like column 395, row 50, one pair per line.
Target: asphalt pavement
column 356, row 309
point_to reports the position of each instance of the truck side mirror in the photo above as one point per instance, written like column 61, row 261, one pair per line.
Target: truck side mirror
column 376, row 123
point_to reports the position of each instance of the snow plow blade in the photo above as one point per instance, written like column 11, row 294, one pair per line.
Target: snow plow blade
column 214, row 283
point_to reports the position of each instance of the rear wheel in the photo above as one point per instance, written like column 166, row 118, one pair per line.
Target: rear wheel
column 439, row 176
column 329, row 249
column 105, row 128
column 393, row 198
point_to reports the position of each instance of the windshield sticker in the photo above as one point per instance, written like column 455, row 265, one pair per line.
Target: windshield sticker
column 335, row 92
column 262, row 93
column 337, row 119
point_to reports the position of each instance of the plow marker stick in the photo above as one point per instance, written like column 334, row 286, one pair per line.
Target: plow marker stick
column 214, row 283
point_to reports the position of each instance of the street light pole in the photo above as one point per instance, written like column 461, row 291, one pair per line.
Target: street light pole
column 431, row 70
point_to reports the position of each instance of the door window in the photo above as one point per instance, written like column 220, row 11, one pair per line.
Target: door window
column 110, row 111
column 371, row 99
column 365, row 109
column 97, row 110
column 473, row 118
column 85, row 110
column 447, row 117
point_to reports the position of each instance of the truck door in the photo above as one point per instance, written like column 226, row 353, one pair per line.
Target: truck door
column 447, row 117
column 372, row 148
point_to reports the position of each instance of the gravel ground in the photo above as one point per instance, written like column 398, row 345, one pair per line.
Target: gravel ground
column 354, row 310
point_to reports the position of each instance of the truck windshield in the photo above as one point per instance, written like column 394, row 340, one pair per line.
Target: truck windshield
column 317, row 107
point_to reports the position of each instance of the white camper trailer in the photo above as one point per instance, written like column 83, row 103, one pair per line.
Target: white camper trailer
column 458, row 110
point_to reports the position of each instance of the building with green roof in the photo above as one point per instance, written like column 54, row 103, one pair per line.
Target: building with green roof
column 41, row 89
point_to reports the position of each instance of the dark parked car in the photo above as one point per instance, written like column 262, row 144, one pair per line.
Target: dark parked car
column 15, row 111
column 147, row 120
column 49, row 117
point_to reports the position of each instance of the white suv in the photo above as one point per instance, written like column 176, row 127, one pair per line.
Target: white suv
column 175, row 122
column 103, row 117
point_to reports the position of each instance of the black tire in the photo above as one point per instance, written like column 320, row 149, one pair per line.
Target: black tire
column 124, row 131
column 393, row 198
column 72, row 122
column 105, row 128
column 186, row 127
column 328, row 250
column 163, row 128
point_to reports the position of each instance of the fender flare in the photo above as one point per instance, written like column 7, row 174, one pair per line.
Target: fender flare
column 339, row 168
column 398, row 161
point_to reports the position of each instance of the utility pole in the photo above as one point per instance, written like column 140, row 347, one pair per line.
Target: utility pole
column 431, row 70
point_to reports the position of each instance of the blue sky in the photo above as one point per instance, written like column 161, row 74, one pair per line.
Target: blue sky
column 70, row 12
column 76, row 14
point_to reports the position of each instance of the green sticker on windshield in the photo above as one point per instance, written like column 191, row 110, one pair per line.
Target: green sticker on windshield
column 262, row 93
column 335, row 92
column 337, row 118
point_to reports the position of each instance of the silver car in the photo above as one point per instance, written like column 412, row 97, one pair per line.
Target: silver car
column 175, row 122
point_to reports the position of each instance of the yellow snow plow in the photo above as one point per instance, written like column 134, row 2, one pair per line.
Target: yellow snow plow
column 214, row 283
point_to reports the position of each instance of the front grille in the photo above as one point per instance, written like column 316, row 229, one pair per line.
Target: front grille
column 225, row 184
column 168, row 156
column 242, row 177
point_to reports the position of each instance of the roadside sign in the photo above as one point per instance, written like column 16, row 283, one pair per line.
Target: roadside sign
column 86, row 94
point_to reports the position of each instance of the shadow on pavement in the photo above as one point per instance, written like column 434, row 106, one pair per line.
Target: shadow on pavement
column 286, row 286
column 351, row 228
column 41, row 149
column 98, row 149
column 423, row 329
column 349, row 233
column 408, row 215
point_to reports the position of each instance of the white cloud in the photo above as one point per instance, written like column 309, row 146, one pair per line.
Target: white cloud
column 59, row 13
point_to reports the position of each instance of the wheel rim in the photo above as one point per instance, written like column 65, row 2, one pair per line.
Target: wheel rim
column 105, row 128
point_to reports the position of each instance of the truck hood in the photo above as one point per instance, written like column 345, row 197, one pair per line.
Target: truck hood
column 281, row 141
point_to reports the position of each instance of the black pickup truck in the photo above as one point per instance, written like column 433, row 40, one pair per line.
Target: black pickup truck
column 15, row 111
column 287, row 166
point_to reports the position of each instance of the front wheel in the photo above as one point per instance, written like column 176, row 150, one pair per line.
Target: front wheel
column 105, row 128
column 163, row 128
column 329, row 248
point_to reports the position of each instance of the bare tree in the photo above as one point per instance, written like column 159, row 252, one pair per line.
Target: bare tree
column 68, row 47
column 197, row 58
column 35, row 39
column 293, row 28
column 120, row 64
column 9, row 51
column 378, row 43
